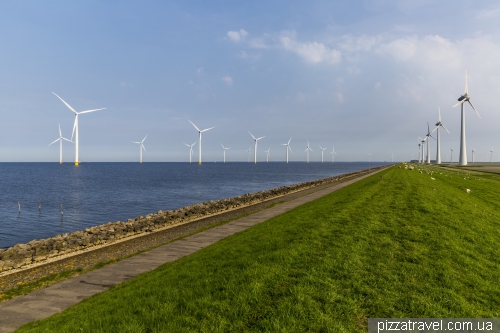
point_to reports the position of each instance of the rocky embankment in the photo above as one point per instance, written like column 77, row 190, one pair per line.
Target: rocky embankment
column 38, row 251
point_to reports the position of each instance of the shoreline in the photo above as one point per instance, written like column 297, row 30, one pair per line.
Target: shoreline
column 149, row 236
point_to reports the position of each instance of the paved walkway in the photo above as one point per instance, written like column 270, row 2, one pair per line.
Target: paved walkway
column 46, row 302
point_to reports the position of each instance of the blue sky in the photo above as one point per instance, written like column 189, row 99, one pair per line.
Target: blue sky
column 365, row 76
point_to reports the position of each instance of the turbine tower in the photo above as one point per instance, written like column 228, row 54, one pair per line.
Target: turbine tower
column 60, row 144
column 369, row 157
column 322, row 151
column 190, row 150
column 249, row 150
column 255, row 148
column 428, row 148
column 491, row 155
column 199, row 139
column 75, row 126
column 451, row 155
column 287, row 147
column 333, row 153
column 267, row 154
column 419, row 154
column 392, row 157
column 307, row 150
column 422, row 141
column 141, row 147
column 464, row 98
column 439, row 124
column 224, row 151
column 473, row 151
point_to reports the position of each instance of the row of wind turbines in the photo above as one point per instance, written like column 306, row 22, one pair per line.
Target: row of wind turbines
column 463, row 149
column 256, row 140
column 142, row 147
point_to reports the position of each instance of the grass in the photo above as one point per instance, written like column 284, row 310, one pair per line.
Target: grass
column 404, row 246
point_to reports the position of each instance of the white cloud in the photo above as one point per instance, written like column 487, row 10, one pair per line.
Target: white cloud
column 362, row 43
column 488, row 13
column 200, row 70
column 236, row 36
column 313, row 52
column 340, row 97
column 399, row 49
column 227, row 80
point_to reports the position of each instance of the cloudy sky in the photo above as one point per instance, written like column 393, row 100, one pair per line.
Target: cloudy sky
column 364, row 76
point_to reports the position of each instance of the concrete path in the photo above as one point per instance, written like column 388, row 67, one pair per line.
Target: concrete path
column 46, row 302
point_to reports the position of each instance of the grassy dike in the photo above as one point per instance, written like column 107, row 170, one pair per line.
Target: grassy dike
column 402, row 246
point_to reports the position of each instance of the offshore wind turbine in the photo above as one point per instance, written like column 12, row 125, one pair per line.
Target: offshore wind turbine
column 322, row 151
column 199, row 139
column 224, row 151
column 255, row 148
column 75, row 126
column 287, row 147
column 307, row 150
column 333, row 153
column 267, row 154
column 439, row 124
column 428, row 148
column 249, row 150
column 60, row 144
column 190, row 150
column 461, row 100
column 369, row 157
column 141, row 147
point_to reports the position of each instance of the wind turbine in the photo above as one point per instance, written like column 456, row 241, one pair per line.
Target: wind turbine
column 419, row 145
column 287, row 147
column 423, row 148
column 451, row 155
column 267, row 154
column 141, row 147
column 491, row 155
column 199, row 139
column 392, row 157
column 473, row 151
column 255, row 148
column 428, row 148
column 190, row 150
column 333, row 153
column 464, row 98
column 322, row 151
column 60, row 144
column 307, row 150
column 369, row 157
column 224, row 151
column 75, row 126
column 439, row 124
column 249, row 150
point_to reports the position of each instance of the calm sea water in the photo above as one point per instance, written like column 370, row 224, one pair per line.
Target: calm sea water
column 97, row 193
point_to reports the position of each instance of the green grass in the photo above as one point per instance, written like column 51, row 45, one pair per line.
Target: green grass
column 404, row 246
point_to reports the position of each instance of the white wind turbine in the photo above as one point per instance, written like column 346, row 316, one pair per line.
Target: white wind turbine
column 60, row 144
column 322, row 151
column 190, row 150
column 439, row 124
column 267, row 154
column 255, row 148
column 369, row 157
column 141, row 147
column 464, row 98
column 423, row 148
column 287, row 148
column 419, row 146
column 333, row 153
column 224, row 151
column 249, row 151
column 75, row 126
column 392, row 157
column 428, row 148
column 491, row 155
column 307, row 151
column 199, row 139
column 473, row 151
column 451, row 155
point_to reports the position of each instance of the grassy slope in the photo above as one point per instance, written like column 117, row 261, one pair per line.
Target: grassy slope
column 404, row 246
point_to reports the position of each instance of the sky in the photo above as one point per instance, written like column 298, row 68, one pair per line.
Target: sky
column 361, row 76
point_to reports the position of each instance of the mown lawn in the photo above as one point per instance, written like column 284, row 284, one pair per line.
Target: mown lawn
column 402, row 246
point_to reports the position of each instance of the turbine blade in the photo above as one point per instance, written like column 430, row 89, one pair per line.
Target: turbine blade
column 207, row 129
column 67, row 140
column 435, row 129
column 187, row 145
column 74, row 127
column 461, row 102
column 55, row 141
column 445, row 129
column 60, row 134
column 439, row 109
column 289, row 140
column 252, row 135
column 144, row 138
column 143, row 148
column 474, row 109
column 135, row 142
column 466, row 86
column 69, row 106
column 91, row 110
column 262, row 137
column 290, row 149
column 194, row 125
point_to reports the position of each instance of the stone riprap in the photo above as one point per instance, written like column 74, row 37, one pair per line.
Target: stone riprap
column 38, row 251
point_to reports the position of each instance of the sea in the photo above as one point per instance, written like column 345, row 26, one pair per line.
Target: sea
column 41, row 200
